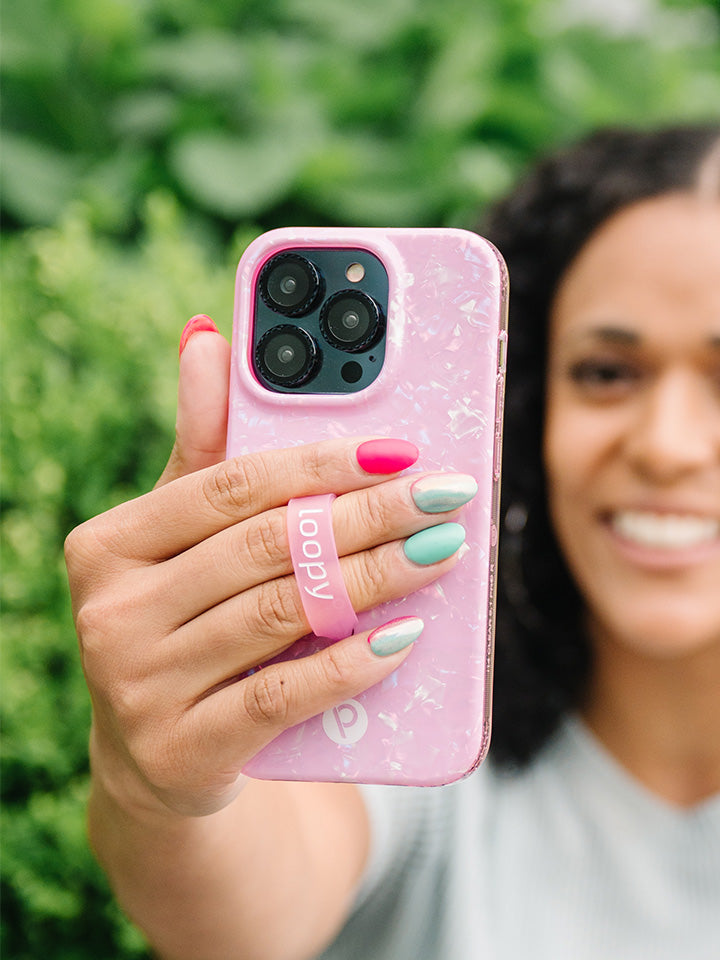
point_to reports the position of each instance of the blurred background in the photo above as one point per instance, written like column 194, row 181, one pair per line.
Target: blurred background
column 144, row 143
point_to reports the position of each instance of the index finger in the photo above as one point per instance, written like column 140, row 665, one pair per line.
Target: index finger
column 186, row 511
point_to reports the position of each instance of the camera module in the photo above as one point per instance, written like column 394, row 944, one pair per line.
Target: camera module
column 351, row 320
column 290, row 284
column 319, row 319
column 287, row 356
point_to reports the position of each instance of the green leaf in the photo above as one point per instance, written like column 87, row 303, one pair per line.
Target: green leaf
column 38, row 180
column 234, row 177
column 203, row 61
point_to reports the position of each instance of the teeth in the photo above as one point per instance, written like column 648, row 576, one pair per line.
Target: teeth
column 666, row 530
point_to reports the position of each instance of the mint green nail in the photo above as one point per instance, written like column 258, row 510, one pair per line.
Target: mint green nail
column 440, row 492
column 395, row 635
column 435, row 543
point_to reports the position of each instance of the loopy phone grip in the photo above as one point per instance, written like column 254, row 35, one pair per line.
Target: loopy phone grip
column 316, row 564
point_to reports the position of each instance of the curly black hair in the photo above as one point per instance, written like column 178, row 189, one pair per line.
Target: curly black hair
column 543, row 658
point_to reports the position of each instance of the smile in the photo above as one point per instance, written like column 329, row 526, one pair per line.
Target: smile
column 666, row 531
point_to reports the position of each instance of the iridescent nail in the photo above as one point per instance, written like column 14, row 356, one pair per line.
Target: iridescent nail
column 440, row 492
column 395, row 635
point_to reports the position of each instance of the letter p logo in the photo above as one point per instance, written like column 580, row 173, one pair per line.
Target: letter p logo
column 345, row 723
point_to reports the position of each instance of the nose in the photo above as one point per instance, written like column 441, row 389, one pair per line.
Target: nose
column 677, row 428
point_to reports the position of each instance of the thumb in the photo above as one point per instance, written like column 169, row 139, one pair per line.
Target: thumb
column 203, row 384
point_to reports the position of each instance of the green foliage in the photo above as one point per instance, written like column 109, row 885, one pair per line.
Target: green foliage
column 388, row 111
column 88, row 392
column 145, row 142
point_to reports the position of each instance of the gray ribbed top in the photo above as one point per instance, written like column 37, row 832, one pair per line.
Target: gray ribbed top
column 571, row 858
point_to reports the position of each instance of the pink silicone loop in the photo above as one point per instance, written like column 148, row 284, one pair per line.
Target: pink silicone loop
column 317, row 567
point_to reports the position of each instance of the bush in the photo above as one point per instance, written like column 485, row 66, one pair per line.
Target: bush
column 387, row 111
column 88, row 396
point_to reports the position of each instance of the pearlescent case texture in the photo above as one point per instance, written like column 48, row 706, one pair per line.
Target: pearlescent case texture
column 441, row 386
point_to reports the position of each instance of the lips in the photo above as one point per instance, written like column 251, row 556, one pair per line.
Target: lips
column 665, row 531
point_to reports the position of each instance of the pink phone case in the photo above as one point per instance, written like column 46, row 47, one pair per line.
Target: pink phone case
column 441, row 387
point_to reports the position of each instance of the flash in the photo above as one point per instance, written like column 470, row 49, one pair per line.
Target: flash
column 355, row 272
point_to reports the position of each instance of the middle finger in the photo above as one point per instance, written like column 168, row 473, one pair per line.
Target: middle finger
column 219, row 646
column 257, row 550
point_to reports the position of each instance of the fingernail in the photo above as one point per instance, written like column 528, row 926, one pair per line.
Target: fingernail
column 386, row 455
column 435, row 543
column 195, row 325
column 441, row 492
column 395, row 635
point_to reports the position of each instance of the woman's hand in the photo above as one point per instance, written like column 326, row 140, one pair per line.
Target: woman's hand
column 179, row 593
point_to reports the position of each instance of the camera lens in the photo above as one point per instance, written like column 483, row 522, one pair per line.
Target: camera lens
column 287, row 356
column 290, row 284
column 351, row 320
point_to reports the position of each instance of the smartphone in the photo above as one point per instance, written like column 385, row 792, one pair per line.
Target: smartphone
column 402, row 333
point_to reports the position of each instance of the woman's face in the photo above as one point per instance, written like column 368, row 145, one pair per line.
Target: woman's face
column 632, row 441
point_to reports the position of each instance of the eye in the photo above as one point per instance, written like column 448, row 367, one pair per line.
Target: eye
column 603, row 376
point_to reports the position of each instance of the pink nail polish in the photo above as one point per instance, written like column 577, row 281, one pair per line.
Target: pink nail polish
column 386, row 455
column 195, row 325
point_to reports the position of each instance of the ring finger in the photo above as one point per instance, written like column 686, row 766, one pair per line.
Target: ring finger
column 246, row 630
column 257, row 550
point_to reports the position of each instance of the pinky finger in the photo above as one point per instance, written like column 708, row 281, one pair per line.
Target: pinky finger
column 242, row 718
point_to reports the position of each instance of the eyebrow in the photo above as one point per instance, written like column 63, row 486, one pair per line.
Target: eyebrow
column 623, row 337
column 609, row 334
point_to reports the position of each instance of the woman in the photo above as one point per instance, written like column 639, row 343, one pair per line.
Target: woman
column 594, row 830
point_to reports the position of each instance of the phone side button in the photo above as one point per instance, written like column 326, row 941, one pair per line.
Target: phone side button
column 497, row 441
column 497, row 456
column 502, row 352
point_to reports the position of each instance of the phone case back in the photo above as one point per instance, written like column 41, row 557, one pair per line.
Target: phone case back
column 441, row 387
